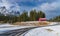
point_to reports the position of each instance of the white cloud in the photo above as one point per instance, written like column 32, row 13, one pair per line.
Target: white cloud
column 48, row 8
column 8, row 4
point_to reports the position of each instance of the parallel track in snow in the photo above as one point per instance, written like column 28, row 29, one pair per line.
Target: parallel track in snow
column 19, row 32
column 16, row 32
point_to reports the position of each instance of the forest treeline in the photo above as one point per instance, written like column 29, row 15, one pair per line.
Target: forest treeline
column 55, row 19
column 33, row 15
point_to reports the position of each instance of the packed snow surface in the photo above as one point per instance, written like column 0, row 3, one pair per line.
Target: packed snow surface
column 44, row 31
column 7, row 27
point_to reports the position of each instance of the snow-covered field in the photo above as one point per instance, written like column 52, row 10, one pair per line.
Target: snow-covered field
column 44, row 31
column 35, row 32
column 8, row 27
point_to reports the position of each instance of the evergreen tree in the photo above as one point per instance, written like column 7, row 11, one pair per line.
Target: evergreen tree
column 24, row 16
column 41, row 14
column 33, row 15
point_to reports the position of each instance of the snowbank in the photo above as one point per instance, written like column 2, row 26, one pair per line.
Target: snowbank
column 44, row 31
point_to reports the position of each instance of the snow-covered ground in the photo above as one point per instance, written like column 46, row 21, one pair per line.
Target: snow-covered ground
column 8, row 27
column 44, row 31
column 5, row 25
column 53, row 23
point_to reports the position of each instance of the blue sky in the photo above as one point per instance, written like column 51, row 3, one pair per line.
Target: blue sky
column 50, row 7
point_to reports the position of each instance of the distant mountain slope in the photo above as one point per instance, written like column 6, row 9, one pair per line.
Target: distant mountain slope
column 7, row 12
